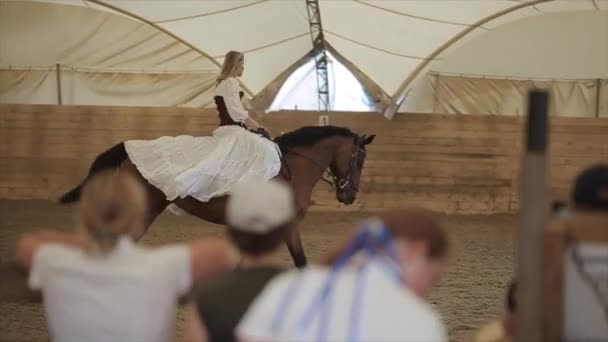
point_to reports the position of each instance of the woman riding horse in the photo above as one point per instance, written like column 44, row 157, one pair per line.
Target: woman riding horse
column 207, row 167
column 197, row 174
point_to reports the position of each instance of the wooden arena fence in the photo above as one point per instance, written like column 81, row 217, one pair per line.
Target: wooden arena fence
column 448, row 163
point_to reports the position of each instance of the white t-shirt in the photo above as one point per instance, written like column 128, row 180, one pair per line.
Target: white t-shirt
column 229, row 90
column 584, row 320
column 129, row 295
column 387, row 311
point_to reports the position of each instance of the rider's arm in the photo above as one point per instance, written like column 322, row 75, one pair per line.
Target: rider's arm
column 233, row 102
column 235, row 107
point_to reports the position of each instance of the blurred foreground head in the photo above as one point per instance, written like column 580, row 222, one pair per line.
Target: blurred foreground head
column 112, row 205
column 421, row 246
column 259, row 214
column 591, row 189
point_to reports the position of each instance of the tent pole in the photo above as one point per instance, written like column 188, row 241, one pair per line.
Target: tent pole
column 319, row 54
column 58, row 76
column 598, row 84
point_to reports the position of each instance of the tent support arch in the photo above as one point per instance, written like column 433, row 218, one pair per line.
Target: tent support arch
column 165, row 31
column 266, row 96
column 397, row 97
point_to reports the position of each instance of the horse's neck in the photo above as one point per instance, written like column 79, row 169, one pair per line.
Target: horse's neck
column 309, row 163
column 305, row 167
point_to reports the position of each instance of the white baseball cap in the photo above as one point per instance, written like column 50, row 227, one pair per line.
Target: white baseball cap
column 259, row 206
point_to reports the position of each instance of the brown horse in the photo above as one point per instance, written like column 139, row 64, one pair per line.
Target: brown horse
column 307, row 153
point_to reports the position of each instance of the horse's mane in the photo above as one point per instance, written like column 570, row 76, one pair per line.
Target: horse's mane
column 310, row 135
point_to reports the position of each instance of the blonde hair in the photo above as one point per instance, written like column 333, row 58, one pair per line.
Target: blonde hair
column 231, row 61
column 112, row 204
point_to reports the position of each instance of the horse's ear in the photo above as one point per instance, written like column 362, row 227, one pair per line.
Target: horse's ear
column 368, row 140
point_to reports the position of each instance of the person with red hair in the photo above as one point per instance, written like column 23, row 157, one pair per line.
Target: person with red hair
column 371, row 289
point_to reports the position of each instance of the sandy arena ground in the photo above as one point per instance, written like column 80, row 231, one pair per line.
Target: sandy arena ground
column 470, row 293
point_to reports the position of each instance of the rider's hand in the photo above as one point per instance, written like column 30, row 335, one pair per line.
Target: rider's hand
column 262, row 131
column 251, row 123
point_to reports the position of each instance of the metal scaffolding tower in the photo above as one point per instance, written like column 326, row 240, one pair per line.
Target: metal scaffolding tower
column 320, row 55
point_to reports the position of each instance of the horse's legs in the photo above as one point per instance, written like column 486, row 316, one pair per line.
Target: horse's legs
column 156, row 199
column 294, row 241
column 296, row 250
column 213, row 211
column 156, row 205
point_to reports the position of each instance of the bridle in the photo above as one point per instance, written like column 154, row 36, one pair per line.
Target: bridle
column 338, row 182
column 342, row 182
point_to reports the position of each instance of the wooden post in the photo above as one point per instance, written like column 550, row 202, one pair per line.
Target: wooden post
column 533, row 217
column 553, row 276
column 58, row 69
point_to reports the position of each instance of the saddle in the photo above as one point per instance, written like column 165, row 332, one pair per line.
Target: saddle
column 262, row 132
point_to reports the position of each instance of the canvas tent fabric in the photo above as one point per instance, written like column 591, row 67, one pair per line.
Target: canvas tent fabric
column 452, row 94
column 389, row 41
column 566, row 52
column 105, row 59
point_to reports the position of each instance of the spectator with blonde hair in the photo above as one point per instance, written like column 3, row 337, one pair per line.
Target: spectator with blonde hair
column 371, row 289
column 97, row 285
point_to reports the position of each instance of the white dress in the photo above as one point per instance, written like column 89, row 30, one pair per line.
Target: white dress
column 207, row 167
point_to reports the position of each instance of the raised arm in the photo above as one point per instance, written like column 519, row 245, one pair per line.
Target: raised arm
column 211, row 257
column 196, row 330
column 29, row 243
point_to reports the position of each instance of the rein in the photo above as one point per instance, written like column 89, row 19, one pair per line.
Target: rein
column 323, row 171
column 338, row 182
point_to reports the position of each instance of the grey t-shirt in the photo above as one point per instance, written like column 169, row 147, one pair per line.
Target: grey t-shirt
column 222, row 302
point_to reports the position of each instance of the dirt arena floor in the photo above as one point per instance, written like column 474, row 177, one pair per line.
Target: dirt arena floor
column 470, row 293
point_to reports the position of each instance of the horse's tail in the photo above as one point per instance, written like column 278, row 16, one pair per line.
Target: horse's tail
column 109, row 159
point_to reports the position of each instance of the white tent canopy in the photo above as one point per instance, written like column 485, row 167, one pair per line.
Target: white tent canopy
column 390, row 41
column 566, row 52
column 106, row 59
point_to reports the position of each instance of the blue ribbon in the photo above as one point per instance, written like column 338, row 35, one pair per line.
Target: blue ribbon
column 377, row 242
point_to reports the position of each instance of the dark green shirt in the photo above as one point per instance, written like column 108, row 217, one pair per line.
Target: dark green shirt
column 222, row 302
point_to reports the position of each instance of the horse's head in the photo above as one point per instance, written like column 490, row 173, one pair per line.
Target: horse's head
column 337, row 148
column 346, row 167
